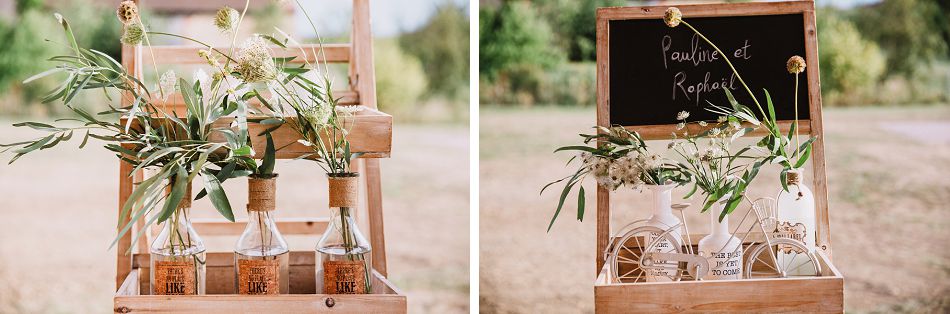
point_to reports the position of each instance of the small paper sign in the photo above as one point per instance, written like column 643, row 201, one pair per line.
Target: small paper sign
column 344, row 277
column 258, row 277
column 174, row 278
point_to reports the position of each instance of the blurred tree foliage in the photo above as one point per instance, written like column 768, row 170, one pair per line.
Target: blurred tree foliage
column 514, row 35
column 442, row 44
column 575, row 25
column 911, row 32
column 400, row 79
column 848, row 61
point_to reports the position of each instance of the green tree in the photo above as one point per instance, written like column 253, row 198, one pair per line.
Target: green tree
column 575, row 25
column 400, row 79
column 908, row 30
column 514, row 35
column 442, row 44
column 848, row 61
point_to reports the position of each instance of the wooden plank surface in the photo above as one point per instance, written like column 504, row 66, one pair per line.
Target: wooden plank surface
column 370, row 133
column 819, row 177
column 663, row 132
column 706, row 10
column 812, row 295
column 175, row 104
column 287, row 226
column 178, row 55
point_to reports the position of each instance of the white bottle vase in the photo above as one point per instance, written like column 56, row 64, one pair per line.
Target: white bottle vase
column 720, row 248
column 796, row 216
column 664, row 219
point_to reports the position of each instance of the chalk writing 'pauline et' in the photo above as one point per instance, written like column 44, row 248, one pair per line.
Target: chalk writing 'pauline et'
column 697, row 54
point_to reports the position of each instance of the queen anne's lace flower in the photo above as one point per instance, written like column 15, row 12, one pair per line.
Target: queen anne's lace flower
column 254, row 61
column 226, row 19
column 167, row 83
column 682, row 115
column 127, row 12
column 134, row 33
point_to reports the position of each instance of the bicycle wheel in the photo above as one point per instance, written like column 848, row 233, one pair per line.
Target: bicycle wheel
column 763, row 262
column 626, row 257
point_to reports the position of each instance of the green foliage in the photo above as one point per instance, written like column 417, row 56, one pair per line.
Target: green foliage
column 22, row 43
column 514, row 35
column 575, row 24
column 568, row 84
column 910, row 31
column 400, row 79
column 443, row 46
column 848, row 61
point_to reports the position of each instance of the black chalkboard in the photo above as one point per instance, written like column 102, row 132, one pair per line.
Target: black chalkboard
column 657, row 71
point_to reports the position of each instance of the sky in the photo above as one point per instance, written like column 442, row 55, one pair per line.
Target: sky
column 845, row 3
column 388, row 17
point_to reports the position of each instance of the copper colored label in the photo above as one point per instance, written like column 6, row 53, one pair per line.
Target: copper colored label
column 258, row 276
column 344, row 277
column 174, row 278
column 795, row 232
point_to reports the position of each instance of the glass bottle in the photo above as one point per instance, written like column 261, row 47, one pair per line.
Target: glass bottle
column 178, row 255
column 796, row 218
column 343, row 253
column 721, row 248
column 261, row 255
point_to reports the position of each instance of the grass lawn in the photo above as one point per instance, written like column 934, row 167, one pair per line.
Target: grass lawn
column 889, row 194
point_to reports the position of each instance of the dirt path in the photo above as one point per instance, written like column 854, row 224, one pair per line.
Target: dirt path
column 889, row 207
column 59, row 211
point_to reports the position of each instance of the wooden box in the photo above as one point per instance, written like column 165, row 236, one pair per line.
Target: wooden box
column 132, row 296
column 823, row 293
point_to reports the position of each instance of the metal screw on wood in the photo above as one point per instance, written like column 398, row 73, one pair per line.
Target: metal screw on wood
column 330, row 302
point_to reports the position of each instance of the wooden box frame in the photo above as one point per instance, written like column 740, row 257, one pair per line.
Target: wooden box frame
column 370, row 133
column 818, row 294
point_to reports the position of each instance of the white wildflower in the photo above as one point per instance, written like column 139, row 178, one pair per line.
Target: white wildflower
column 715, row 131
column 254, row 61
column 721, row 119
column 703, row 123
column 682, row 115
column 167, row 83
column 735, row 125
column 349, row 110
column 680, row 126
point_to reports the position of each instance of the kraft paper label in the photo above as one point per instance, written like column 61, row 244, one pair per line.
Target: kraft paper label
column 174, row 278
column 344, row 277
column 258, row 277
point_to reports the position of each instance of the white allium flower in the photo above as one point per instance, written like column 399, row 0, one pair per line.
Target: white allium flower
column 226, row 19
column 682, row 115
column 167, row 83
column 703, row 123
column 254, row 61
column 714, row 131
column 680, row 126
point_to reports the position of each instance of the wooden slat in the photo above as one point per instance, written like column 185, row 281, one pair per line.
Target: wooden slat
column 287, row 226
column 706, row 10
column 176, row 104
column 370, row 133
column 603, row 119
column 179, row 55
column 824, row 294
column 819, row 178
column 663, row 132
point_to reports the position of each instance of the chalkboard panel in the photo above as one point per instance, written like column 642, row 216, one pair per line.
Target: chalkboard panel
column 656, row 71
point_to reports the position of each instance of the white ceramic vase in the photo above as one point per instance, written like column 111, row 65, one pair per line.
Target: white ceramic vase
column 720, row 248
column 664, row 219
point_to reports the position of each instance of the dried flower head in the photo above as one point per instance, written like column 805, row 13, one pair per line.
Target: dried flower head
column 682, row 115
column 134, row 33
column 254, row 61
column 795, row 65
column 226, row 19
column 673, row 17
column 127, row 12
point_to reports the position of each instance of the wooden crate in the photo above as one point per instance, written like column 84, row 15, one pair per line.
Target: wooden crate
column 824, row 293
column 132, row 296
column 370, row 133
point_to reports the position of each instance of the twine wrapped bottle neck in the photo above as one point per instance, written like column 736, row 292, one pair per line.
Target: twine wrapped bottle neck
column 185, row 200
column 793, row 177
column 344, row 190
column 262, row 193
